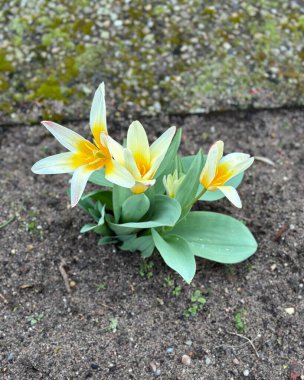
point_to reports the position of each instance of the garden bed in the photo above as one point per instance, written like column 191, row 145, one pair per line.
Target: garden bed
column 115, row 318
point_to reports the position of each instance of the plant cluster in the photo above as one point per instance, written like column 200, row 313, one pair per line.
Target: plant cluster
column 146, row 193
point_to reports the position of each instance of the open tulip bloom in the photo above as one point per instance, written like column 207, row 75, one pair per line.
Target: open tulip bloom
column 146, row 192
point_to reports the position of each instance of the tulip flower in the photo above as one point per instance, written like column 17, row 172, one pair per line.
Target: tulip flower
column 140, row 159
column 84, row 157
column 218, row 170
column 172, row 183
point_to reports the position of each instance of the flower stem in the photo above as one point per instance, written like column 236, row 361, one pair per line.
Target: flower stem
column 196, row 198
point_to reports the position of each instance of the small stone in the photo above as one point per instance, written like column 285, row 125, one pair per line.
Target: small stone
column 160, row 301
column 207, row 360
column 157, row 372
column 169, row 350
column 72, row 284
column 153, row 366
column 10, row 357
column 29, row 247
column 186, row 360
column 290, row 310
column 236, row 361
column 246, row 373
column 94, row 366
column 273, row 267
column 188, row 342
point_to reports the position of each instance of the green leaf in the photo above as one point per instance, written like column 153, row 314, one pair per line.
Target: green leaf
column 164, row 211
column 211, row 195
column 86, row 204
column 98, row 177
column 115, row 239
column 168, row 162
column 216, row 237
column 96, row 227
column 134, row 208
column 120, row 194
column 103, row 196
column 87, row 227
column 144, row 244
column 177, row 254
column 188, row 189
column 120, row 229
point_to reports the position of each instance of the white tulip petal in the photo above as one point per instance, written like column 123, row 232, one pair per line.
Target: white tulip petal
column 78, row 183
column 155, row 165
column 57, row 164
column 130, row 164
column 242, row 166
column 98, row 116
column 142, row 186
column 119, row 175
column 231, row 193
column 116, row 150
column 161, row 145
column 232, row 159
column 214, row 155
column 138, row 144
column 68, row 138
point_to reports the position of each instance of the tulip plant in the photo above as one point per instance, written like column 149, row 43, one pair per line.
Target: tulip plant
column 146, row 192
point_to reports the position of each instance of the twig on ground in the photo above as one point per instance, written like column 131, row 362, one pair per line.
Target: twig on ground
column 64, row 275
column 280, row 232
column 8, row 221
column 265, row 160
column 250, row 341
column 3, row 298
column 106, row 306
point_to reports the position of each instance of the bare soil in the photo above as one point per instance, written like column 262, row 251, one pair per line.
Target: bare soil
column 48, row 333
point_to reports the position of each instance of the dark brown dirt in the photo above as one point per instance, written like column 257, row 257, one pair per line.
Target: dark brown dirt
column 72, row 338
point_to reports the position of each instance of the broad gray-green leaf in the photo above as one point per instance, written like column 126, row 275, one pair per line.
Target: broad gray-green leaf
column 164, row 211
column 120, row 194
column 86, row 204
column 95, row 227
column 144, row 244
column 168, row 162
column 216, row 237
column 120, row 229
column 108, row 240
column 103, row 196
column 177, row 254
column 134, row 208
column 188, row 189
column 98, row 177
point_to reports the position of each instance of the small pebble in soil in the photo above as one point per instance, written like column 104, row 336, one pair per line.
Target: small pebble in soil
column 273, row 267
column 207, row 360
column 169, row 350
column 10, row 357
column 246, row 373
column 186, row 360
column 72, row 284
column 94, row 366
column 236, row 361
column 153, row 366
column 157, row 373
column 188, row 342
column 290, row 310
